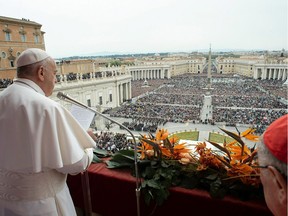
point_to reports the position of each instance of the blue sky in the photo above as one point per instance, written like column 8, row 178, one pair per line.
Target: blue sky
column 141, row 26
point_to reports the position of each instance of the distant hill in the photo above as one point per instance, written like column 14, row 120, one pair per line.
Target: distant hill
column 131, row 54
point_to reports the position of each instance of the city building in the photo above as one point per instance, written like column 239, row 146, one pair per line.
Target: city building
column 256, row 66
column 17, row 35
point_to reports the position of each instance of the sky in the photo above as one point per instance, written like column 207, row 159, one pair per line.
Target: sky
column 85, row 27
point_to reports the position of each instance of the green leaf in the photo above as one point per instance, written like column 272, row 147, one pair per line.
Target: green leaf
column 189, row 182
column 124, row 158
column 96, row 159
column 161, row 196
column 101, row 153
column 147, row 197
column 153, row 184
column 234, row 136
column 165, row 174
column 165, row 164
column 237, row 138
column 216, row 191
column 148, row 173
column 115, row 164
column 128, row 153
column 212, row 177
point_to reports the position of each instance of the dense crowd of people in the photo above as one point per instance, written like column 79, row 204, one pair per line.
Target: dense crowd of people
column 235, row 100
column 140, row 87
column 181, row 99
column 274, row 87
column 5, row 82
column 260, row 101
column 248, row 116
column 112, row 142
column 145, row 124
column 171, row 113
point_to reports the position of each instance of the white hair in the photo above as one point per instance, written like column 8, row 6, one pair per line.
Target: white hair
column 267, row 159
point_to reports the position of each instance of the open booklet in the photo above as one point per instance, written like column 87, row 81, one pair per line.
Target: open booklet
column 82, row 115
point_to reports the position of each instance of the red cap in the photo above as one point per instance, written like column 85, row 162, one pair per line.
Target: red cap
column 275, row 138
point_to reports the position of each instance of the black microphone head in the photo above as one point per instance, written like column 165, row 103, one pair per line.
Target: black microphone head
column 61, row 95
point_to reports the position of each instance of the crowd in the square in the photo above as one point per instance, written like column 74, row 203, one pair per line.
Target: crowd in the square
column 4, row 83
column 112, row 142
column 235, row 100
column 140, row 87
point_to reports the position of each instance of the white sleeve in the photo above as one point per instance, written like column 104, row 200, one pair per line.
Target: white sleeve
column 79, row 166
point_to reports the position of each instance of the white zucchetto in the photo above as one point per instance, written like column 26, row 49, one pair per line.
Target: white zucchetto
column 31, row 56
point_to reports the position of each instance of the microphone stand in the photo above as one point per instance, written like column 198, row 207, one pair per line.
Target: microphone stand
column 67, row 98
column 86, row 193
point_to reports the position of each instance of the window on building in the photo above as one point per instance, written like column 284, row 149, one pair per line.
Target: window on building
column 12, row 63
column 23, row 38
column 3, row 55
column 110, row 97
column 100, row 100
column 89, row 103
column 7, row 36
column 36, row 38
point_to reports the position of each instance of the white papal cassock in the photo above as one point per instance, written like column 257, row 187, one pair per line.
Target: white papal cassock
column 40, row 143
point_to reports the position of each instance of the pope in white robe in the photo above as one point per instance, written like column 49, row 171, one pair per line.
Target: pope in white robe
column 40, row 143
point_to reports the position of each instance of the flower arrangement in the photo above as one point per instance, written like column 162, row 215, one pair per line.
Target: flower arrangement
column 164, row 162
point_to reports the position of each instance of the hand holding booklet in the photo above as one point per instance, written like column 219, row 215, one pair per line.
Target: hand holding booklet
column 82, row 115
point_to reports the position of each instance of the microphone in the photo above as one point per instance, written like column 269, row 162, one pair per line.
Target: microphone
column 65, row 97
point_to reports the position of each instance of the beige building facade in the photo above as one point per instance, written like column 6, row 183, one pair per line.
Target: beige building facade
column 100, row 93
column 16, row 35
column 167, row 67
column 257, row 67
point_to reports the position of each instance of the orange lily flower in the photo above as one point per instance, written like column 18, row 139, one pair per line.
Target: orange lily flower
column 143, row 149
column 248, row 134
column 235, row 151
column 174, row 140
column 161, row 134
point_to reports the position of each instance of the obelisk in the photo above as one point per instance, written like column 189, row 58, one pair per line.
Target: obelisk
column 209, row 70
column 207, row 109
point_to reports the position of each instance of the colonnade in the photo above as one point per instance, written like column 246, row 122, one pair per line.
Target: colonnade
column 149, row 73
column 124, row 90
column 276, row 72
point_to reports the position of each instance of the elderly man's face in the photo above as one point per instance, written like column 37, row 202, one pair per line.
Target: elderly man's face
column 266, row 178
column 50, row 77
column 275, row 190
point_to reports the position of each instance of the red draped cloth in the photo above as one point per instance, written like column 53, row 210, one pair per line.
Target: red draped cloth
column 113, row 194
